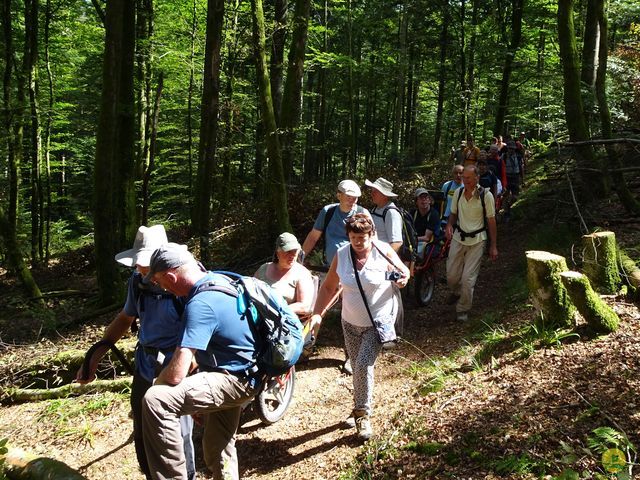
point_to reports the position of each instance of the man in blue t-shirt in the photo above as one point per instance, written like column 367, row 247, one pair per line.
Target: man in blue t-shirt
column 160, row 327
column 450, row 187
column 222, row 342
column 331, row 221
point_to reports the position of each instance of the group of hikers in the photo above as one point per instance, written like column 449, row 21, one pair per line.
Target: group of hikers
column 195, row 357
column 501, row 164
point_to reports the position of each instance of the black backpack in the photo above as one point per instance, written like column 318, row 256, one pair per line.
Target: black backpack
column 327, row 218
column 274, row 324
column 409, row 250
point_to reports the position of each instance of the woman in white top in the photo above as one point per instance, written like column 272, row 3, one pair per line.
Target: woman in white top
column 374, row 260
column 288, row 277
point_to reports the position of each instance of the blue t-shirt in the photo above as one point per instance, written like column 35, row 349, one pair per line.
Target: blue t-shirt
column 212, row 325
column 449, row 188
column 336, row 234
column 160, row 324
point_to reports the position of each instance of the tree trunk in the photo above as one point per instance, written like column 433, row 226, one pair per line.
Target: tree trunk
column 276, row 185
column 190, row 91
column 144, row 32
column 20, row 465
column 277, row 56
column 209, row 125
column 442, row 76
column 463, row 69
column 153, row 134
column 292, row 96
column 599, row 316
column 540, row 65
column 114, row 190
column 13, row 147
column 549, row 296
column 400, row 85
column 19, row 395
column 573, row 105
column 600, row 261
column 15, row 262
column 47, row 134
column 514, row 45
column 31, row 25
column 590, row 46
column 627, row 199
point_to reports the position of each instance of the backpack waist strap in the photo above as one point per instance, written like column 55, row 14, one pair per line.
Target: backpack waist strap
column 464, row 235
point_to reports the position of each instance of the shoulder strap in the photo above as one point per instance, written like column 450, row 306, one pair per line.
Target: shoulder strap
column 386, row 257
column 446, row 192
column 328, row 216
column 390, row 207
column 357, row 274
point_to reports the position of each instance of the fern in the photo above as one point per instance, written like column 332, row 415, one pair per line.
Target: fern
column 604, row 438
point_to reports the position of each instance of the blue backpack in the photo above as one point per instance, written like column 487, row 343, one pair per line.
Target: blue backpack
column 277, row 329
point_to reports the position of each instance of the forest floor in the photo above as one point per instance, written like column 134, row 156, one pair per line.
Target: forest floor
column 490, row 398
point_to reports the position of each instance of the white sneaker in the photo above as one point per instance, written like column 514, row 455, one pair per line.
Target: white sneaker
column 346, row 367
column 363, row 425
column 462, row 316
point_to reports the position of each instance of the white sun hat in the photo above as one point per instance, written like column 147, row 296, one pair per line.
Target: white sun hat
column 148, row 239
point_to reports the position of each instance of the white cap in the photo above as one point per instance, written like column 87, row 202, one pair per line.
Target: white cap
column 349, row 187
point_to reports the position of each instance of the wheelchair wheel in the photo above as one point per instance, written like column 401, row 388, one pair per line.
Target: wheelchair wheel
column 273, row 400
column 425, row 283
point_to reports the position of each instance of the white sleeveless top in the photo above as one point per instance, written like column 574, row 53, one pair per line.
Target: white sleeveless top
column 383, row 304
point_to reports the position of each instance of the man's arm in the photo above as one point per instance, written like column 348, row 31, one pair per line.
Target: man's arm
column 178, row 367
column 448, row 230
column 393, row 224
column 114, row 332
column 311, row 240
column 493, row 238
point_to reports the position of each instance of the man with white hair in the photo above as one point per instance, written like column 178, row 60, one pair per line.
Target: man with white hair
column 385, row 214
column 159, row 313
column 223, row 344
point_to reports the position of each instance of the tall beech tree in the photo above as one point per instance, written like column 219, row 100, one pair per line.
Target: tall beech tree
column 573, row 104
column 201, row 216
column 114, row 191
column 275, row 184
column 509, row 58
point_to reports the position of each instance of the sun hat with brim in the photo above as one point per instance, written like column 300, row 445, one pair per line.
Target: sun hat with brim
column 287, row 242
column 146, row 241
column 383, row 185
column 168, row 256
column 349, row 187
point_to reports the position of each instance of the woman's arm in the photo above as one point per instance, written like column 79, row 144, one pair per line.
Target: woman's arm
column 304, row 293
column 325, row 295
column 400, row 266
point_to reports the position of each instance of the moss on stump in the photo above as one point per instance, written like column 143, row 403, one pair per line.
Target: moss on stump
column 600, row 261
column 548, row 294
column 599, row 316
column 630, row 272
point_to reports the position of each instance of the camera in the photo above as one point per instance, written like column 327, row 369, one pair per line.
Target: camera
column 393, row 276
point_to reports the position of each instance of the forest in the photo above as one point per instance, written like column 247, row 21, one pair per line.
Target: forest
column 230, row 122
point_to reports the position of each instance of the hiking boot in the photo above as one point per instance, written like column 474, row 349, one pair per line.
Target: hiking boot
column 350, row 422
column 346, row 367
column 363, row 426
column 390, row 345
column 452, row 298
column 462, row 316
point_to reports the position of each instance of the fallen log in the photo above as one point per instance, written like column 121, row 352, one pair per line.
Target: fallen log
column 20, row 465
column 600, row 261
column 19, row 395
column 548, row 294
column 599, row 316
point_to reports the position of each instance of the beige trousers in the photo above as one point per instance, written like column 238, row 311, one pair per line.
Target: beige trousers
column 220, row 397
column 463, row 267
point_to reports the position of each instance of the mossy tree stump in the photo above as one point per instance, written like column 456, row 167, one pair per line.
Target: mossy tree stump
column 631, row 272
column 599, row 316
column 548, row 294
column 600, row 261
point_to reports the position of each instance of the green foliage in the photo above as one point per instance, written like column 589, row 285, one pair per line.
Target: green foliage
column 3, row 452
column 520, row 464
column 604, row 438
